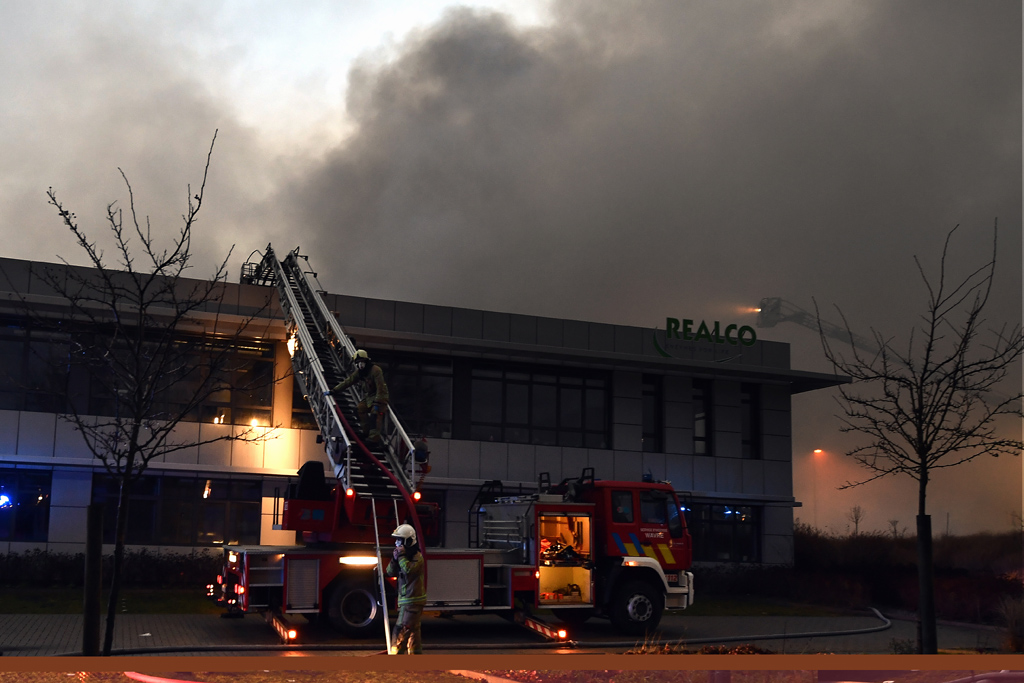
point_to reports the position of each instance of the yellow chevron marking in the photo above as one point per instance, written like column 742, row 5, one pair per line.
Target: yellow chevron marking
column 666, row 553
column 649, row 551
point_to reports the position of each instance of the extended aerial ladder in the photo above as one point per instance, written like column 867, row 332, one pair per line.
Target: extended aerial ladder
column 321, row 353
column 774, row 310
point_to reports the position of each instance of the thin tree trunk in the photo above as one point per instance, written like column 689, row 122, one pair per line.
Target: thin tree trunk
column 927, row 636
column 115, row 576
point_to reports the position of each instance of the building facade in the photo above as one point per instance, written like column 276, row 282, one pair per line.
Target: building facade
column 701, row 404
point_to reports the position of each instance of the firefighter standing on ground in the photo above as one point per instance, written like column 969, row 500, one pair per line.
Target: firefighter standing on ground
column 375, row 392
column 409, row 566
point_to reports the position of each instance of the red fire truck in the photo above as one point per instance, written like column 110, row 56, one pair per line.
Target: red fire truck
column 580, row 548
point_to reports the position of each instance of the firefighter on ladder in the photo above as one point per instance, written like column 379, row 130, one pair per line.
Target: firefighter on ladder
column 409, row 566
column 375, row 393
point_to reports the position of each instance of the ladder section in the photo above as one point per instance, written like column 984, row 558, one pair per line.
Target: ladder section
column 321, row 355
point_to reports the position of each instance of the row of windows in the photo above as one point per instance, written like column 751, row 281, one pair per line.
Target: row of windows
column 434, row 397
column 40, row 370
column 24, row 505
column 184, row 510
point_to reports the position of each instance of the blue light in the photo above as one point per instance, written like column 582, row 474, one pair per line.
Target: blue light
column 5, row 501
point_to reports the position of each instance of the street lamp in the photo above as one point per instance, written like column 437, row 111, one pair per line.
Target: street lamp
column 814, row 475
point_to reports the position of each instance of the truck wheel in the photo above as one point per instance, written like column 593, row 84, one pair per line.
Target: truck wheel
column 636, row 607
column 354, row 610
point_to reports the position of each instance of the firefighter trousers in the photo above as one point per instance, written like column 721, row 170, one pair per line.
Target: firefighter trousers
column 409, row 641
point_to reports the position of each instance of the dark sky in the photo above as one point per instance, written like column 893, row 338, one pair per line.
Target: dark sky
column 618, row 162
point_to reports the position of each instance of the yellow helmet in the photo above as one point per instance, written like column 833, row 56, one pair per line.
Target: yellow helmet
column 360, row 356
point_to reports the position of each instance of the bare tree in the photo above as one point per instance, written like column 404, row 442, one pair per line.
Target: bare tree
column 856, row 516
column 156, row 344
column 894, row 529
column 930, row 404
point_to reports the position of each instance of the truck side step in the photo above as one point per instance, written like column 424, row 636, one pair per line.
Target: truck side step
column 285, row 631
column 539, row 627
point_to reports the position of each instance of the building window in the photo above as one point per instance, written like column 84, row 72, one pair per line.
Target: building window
column 724, row 533
column 554, row 408
column 25, row 505
column 652, row 409
column 750, row 420
column 703, row 425
column 420, row 389
column 302, row 413
column 184, row 510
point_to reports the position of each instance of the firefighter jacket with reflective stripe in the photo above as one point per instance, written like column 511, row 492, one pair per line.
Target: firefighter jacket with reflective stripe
column 412, row 584
column 373, row 386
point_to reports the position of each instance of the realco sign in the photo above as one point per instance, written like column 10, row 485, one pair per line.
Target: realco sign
column 695, row 331
column 733, row 333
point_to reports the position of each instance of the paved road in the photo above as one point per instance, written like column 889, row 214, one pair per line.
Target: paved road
column 206, row 635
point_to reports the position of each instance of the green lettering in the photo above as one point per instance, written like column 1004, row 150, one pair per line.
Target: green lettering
column 687, row 334
column 753, row 335
column 718, row 338
column 671, row 328
column 728, row 338
column 703, row 331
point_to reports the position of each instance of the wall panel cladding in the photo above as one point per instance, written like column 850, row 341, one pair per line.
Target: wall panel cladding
column 438, row 458
column 464, row 459
column 602, row 461
column 777, row 549
column 776, row 397
column 496, row 326
column 775, row 355
column 627, row 384
column 753, row 474
column 679, row 471
column 728, row 445
column 408, row 317
column 494, row 461
column 521, row 462
column 8, row 432
column 677, row 388
column 778, row 520
column 728, row 475
column 655, row 464
column 575, row 334
column 467, row 324
column 703, row 473
column 351, row 310
column 628, row 466
column 629, row 339
column 778, row 478
column 71, row 488
column 776, row 448
column 67, row 524
column 14, row 275
column 601, row 337
column 522, row 329
column 380, row 315
column 36, row 434
column 678, row 440
column 573, row 461
column 727, row 418
column 549, row 459
column 726, row 392
column 437, row 320
column 550, row 332
column 627, row 437
column 776, row 422
column 627, row 411
column 678, row 415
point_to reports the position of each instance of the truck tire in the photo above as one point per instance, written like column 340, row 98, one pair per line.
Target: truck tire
column 354, row 609
column 636, row 608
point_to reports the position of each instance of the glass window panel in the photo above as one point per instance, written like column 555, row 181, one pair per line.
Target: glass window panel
column 485, row 433
column 596, row 419
column 544, row 406
column 486, row 401
column 517, row 434
column 177, row 521
column 212, row 520
column 622, row 507
column 517, row 404
column 436, row 401
column 570, row 408
column 574, row 439
column 544, row 437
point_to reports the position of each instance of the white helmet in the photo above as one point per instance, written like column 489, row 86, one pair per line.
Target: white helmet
column 406, row 533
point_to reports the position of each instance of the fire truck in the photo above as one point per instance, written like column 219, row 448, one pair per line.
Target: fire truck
column 583, row 547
